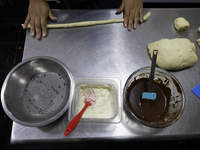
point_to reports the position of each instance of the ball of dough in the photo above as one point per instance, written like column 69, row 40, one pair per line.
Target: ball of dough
column 181, row 23
column 198, row 41
column 199, row 29
column 174, row 54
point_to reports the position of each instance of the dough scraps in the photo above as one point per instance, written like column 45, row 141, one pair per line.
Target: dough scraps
column 174, row 54
column 198, row 41
column 181, row 23
column 89, row 23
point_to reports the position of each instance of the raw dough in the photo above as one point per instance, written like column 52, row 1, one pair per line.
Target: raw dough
column 174, row 54
column 198, row 41
column 181, row 23
column 146, row 16
column 89, row 23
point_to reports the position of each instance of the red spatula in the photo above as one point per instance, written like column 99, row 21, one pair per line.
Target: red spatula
column 90, row 99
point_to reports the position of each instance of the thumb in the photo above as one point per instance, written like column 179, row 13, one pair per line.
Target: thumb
column 121, row 8
column 52, row 17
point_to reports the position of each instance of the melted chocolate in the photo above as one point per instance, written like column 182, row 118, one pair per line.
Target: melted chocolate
column 148, row 110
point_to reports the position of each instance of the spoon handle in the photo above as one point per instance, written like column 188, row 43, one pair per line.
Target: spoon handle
column 75, row 121
column 153, row 66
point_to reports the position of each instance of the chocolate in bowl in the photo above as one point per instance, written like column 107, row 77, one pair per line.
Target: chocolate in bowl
column 168, row 106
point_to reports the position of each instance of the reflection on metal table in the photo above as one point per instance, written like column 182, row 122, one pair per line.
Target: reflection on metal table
column 111, row 51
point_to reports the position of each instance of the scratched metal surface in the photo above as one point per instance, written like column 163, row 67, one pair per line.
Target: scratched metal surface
column 111, row 51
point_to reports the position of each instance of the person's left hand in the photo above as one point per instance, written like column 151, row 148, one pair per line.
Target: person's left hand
column 133, row 12
column 38, row 12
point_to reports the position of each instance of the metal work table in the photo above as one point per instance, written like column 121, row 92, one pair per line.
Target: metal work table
column 111, row 51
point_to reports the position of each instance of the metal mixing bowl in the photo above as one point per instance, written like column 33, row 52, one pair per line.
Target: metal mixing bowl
column 16, row 82
column 176, row 100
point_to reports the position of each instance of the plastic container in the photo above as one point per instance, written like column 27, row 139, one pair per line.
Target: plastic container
column 112, row 84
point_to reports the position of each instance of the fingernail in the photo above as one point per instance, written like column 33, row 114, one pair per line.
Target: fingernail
column 125, row 25
column 24, row 27
column 44, row 34
column 32, row 33
column 55, row 18
column 38, row 37
column 129, row 28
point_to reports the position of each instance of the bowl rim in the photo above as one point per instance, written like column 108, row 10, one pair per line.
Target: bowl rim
column 49, row 120
column 143, row 122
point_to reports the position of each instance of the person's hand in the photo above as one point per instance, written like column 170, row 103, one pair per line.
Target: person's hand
column 38, row 12
column 133, row 12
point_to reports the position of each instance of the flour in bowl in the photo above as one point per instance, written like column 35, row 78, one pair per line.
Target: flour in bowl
column 44, row 93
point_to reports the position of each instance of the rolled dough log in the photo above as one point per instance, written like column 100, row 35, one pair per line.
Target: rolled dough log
column 174, row 54
column 181, row 23
column 89, row 23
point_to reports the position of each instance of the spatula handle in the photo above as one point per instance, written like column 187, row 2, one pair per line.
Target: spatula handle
column 153, row 66
column 75, row 121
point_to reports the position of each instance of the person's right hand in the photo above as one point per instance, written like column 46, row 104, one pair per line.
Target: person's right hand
column 38, row 12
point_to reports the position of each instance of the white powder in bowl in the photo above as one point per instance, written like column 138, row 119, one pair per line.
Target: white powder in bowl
column 44, row 93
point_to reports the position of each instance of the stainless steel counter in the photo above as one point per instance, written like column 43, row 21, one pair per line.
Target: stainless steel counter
column 111, row 51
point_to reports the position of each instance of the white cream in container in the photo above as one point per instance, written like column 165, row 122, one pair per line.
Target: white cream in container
column 104, row 107
column 108, row 105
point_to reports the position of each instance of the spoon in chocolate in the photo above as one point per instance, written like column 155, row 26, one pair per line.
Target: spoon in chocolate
column 149, row 95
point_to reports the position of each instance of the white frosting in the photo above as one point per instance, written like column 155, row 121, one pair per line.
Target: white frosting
column 104, row 107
